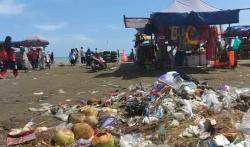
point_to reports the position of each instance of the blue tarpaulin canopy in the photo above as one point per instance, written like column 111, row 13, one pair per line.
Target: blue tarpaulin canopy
column 195, row 18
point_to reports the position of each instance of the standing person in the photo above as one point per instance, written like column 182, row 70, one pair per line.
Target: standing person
column 11, row 56
column 83, row 60
column 41, row 59
column 33, row 57
column 25, row 60
column 171, row 52
column 3, row 62
column 88, row 57
column 47, row 60
column 132, row 55
column 72, row 57
column 76, row 55
column 52, row 57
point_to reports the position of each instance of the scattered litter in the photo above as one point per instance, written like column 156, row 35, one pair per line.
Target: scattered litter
column 221, row 140
column 61, row 91
column 79, row 93
column 94, row 92
column 175, row 111
column 38, row 93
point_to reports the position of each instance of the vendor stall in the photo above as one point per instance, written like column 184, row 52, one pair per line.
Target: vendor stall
column 243, row 33
column 192, row 28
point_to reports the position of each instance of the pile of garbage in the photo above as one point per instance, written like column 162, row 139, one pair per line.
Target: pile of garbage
column 175, row 111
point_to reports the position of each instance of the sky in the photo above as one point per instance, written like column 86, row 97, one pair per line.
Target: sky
column 92, row 24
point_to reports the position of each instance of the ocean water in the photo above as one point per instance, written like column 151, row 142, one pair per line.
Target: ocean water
column 63, row 60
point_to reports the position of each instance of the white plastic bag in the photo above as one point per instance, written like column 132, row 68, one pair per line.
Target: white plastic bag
column 188, row 107
column 210, row 98
column 245, row 125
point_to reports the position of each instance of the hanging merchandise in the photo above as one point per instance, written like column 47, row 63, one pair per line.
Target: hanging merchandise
column 174, row 33
column 236, row 43
column 204, row 33
column 192, row 36
column 210, row 45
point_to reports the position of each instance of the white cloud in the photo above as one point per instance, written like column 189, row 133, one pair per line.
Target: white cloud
column 10, row 7
column 69, row 39
column 50, row 27
column 112, row 27
column 83, row 38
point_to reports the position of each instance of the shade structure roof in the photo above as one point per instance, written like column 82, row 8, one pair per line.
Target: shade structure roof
column 34, row 41
column 241, row 31
column 193, row 12
column 182, row 6
column 195, row 18
column 136, row 23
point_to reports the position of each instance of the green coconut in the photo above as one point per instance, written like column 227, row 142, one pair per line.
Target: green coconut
column 103, row 140
column 83, row 130
column 64, row 137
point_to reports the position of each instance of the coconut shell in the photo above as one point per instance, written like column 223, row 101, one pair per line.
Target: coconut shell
column 64, row 137
column 83, row 130
column 76, row 118
column 89, row 111
column 103, row 140
column 91, row 120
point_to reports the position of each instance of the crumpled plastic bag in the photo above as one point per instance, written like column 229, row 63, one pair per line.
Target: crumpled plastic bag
column 188, row 88
column 134, row 140
column 210, row 98
column 188, row 107
column 172, row 79
column 159, row 112
column 245, row 125
column 190, row 131
column 221, row 140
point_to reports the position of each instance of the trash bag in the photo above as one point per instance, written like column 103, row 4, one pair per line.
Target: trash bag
column 135, row 108
column 187, row 88
column 245, row 126
column 210, row 98
column 187, row 107
column 188, row 78
column 172, row 79
column 159, row 112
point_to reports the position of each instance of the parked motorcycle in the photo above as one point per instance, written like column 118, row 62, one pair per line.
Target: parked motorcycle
column 98, row 64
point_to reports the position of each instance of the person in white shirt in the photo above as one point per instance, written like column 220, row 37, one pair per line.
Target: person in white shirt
column 83, row 59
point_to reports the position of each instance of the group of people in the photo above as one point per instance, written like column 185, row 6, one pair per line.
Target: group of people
column 37, row 58
column 80, row 56
column 27, row 58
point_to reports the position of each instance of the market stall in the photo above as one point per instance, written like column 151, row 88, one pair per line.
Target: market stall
column 243, row 33
column 191, row 25
column 192, row 28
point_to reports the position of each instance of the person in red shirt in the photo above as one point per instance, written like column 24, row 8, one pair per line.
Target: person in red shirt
column 3, row 62
column 11, row 55
column 33, row 57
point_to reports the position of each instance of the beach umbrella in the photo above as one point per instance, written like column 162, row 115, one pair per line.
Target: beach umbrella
column 34, row 41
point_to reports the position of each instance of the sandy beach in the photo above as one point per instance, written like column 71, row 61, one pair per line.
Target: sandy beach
column 71, row 84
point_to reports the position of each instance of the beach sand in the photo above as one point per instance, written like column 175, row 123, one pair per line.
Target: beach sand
column 75, row 83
